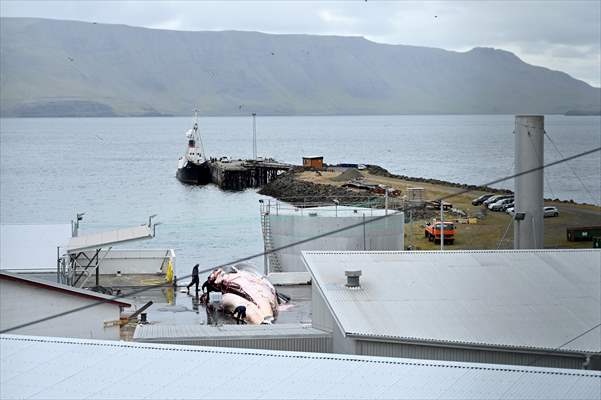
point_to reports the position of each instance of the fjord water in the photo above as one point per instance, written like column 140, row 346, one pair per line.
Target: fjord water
column 121, row 170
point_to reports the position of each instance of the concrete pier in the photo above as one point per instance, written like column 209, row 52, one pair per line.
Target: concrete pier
column 243, row 174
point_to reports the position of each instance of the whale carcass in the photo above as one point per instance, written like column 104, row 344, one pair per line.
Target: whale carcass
column 244, row 289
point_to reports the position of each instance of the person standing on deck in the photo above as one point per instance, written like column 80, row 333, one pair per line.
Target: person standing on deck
column 195, row 280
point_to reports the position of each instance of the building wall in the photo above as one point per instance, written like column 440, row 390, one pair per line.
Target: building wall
column 321, row 318
column 392, row 349
column 384, row 234
column 315, row 344
column 133, row 261
column 21, row 303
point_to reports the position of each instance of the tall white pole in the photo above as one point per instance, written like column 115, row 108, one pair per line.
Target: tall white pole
column 441, row 227
column 254, row 136
column 386, row 201
column 528, row 225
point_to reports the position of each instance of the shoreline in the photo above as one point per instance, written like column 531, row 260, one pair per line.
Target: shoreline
column 288, row 187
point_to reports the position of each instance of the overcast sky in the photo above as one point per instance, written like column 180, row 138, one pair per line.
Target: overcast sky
column 561, row 35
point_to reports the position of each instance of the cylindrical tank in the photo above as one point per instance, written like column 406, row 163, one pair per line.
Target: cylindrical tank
column 292, row 225
column 529, row 146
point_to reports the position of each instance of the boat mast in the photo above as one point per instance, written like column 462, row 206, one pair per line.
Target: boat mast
column 197, row 135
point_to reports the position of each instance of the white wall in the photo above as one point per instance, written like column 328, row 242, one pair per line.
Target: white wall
column 384, row 234
column 21, row 303
column 145, row 261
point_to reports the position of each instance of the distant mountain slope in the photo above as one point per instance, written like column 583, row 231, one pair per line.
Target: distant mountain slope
column 65, row 68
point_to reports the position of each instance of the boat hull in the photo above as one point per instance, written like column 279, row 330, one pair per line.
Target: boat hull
column 194, row 174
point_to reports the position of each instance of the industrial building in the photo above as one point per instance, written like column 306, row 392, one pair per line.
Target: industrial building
column 24, row 299
column 520, row 307
column 284, row 224
column 40, row 367
column 289, row 337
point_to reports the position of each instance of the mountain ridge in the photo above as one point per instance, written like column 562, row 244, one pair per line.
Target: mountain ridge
column 73, row 68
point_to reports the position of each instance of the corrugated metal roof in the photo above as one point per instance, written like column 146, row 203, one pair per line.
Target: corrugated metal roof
column 532, row 299
column 65, row 289
column 39, row 367
column 153, row 332
column 31, row 247
column 104, row 239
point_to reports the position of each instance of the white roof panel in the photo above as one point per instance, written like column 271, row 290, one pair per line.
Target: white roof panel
column 105, row 239
column 511, row 298
column 31, row 247
column 39, row 367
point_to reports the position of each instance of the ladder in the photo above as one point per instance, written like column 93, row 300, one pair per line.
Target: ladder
column 272, row 261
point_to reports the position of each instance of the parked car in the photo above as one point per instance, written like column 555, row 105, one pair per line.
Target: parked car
column 499, row 204
column 550, row 212
column 508, row 205
column 510, row 210
column 495, row 198
column 479, row 200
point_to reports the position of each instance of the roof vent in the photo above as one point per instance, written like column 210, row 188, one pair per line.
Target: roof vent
column 352, row 278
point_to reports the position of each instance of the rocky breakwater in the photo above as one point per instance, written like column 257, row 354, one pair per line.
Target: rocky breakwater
column 292, row 190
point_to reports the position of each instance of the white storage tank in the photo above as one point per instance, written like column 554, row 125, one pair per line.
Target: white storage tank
column 287, row 224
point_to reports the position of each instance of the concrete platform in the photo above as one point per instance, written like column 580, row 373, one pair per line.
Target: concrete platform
column 289, row 278
column 174, row 308
column 287, row 337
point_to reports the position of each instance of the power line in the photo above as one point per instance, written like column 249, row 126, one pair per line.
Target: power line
column 504, row 234
column 570, row 167
column 303, row 241
column 538, row 157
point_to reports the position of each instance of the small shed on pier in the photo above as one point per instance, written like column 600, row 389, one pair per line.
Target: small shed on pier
column 313, row 162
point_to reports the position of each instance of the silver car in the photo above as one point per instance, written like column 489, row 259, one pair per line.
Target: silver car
column 495, row 198
column 498, row 206
column 550, row 212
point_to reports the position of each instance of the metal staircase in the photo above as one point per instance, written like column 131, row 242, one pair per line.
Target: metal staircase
column 272, row 261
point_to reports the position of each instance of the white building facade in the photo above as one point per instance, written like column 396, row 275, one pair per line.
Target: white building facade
column 24, row 299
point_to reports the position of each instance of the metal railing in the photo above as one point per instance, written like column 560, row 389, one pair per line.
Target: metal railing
column 360, row 203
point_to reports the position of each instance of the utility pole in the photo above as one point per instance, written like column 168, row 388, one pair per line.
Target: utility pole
column 386, row 201
column 254, row 136
column 441, row 227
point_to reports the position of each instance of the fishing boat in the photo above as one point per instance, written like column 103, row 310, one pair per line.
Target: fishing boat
column 193, row 167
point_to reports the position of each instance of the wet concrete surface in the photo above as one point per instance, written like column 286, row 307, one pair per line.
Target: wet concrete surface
column 171, row 307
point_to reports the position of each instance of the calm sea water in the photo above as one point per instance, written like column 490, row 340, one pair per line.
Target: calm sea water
column 121, row 170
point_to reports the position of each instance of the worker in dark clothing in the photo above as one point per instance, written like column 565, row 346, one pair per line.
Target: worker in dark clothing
column 195, row 280
column 240, row 315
